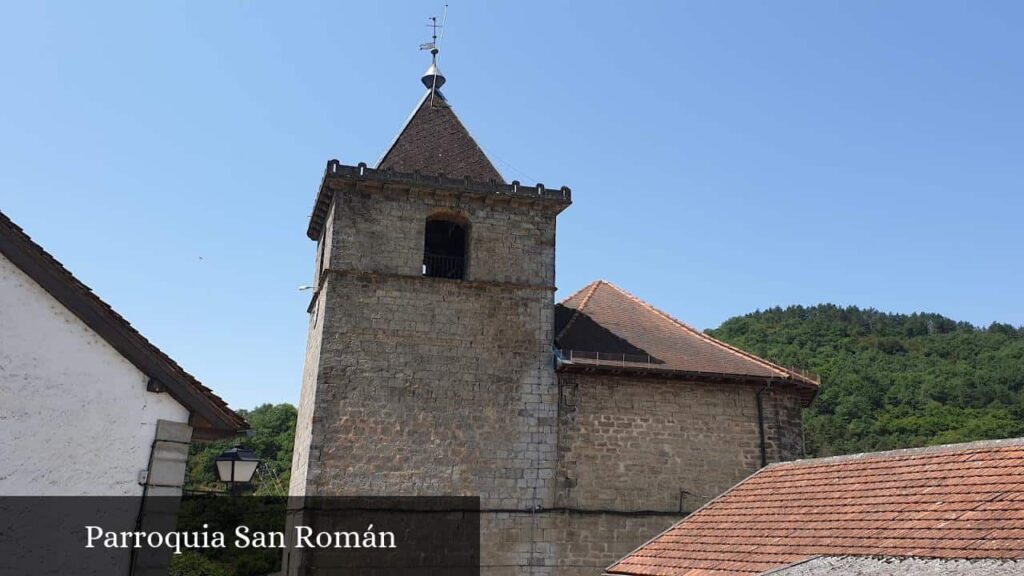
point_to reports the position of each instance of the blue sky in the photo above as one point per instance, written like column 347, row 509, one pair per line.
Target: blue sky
column 723, row 156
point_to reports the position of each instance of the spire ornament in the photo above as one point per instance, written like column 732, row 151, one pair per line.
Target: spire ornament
column 432, row 78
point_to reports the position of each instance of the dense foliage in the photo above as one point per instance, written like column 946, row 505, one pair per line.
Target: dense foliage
column 893, row 380
column 204, row 512
column 272, row 436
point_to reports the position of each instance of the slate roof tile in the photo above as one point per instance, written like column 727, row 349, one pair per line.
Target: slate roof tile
column 434, row 141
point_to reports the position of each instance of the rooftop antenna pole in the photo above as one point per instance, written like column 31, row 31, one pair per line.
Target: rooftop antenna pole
column 437, row 49
column 444, row 20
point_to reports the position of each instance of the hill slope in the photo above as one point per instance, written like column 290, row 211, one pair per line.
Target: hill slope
column 893, row 380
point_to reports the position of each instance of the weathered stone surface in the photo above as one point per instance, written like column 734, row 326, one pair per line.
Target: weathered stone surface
column 430, row 386
column 381, row 230
column 631, row 443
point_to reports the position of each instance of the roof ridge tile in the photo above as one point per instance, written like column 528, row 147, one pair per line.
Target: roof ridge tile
column 964, row 448
column 576, row 312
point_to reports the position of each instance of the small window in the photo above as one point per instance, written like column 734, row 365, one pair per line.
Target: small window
column 444, row 249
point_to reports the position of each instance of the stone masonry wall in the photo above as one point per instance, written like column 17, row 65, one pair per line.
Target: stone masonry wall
column 510, row 240
column 783, row 424
column 432, row 386
column 563, row 543
column 311, row 368
column 628, row 444
column 307, row 398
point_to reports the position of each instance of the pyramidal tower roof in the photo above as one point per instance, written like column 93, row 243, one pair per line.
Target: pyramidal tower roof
column 434, row 140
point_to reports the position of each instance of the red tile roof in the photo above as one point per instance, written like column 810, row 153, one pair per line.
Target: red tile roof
column 958, row 501
column 434, row 141
column 603, row 324
column 214, row 418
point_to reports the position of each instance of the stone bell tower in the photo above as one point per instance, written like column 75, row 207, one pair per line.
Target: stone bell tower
column 429, row 367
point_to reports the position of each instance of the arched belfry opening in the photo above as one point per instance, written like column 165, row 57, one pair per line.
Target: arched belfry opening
column 444, row 247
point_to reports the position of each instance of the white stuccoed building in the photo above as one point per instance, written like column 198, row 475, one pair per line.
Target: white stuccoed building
column 88, row 406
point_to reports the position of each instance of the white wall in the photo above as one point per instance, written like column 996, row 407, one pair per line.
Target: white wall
column 75, row 416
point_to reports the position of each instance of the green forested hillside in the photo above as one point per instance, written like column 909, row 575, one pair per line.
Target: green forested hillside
column 893, row 380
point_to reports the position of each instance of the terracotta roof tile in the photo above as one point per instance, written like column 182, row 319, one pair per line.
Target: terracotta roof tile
column 603, row 324
column 962, row 501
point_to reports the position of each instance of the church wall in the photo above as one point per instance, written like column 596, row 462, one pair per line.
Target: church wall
column 307, row 396
column 680, row 436
column 382, row 231
column 432, row 386
column 628, row 444
column 449, row 381
column 561, row 543
column 783, row 423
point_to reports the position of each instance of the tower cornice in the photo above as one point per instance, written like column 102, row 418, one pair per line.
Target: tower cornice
column 338, row 175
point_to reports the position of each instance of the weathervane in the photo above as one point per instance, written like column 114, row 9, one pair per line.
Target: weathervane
column 433, row 79
column 432, row 45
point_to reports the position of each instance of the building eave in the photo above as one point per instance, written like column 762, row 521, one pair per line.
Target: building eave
column 807, row 390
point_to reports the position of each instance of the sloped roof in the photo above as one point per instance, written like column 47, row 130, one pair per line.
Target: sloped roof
column 959, row 501
column 211, row 415
column 434, row 141
column 603, row 324
column 871, row 566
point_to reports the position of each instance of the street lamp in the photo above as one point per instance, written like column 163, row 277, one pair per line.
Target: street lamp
column 236, row 466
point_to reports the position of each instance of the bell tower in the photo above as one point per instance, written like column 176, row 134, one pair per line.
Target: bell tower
column 429, row 366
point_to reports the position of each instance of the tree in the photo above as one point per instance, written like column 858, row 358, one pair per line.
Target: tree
column 893, row 380
column 272, row 436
